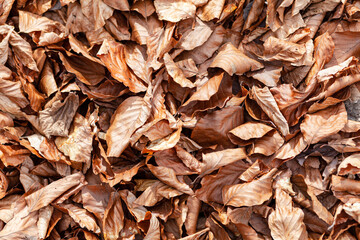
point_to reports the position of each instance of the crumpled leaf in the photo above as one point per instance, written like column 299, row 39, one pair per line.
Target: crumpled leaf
column 175, row 72
column 196, row 36
column 56, row 119
column 78, row 144
column 50, row 31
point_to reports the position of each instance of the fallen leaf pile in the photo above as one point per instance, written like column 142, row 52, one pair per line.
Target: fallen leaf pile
column 179, row 119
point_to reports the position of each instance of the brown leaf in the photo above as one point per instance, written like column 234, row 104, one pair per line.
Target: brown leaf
column 205, row 51
column 81, row 216
column 195, row 36
column 211, row 94
column 249, row 194
column 266, row 101
column 155, row 193
column 112, row 54
column 212, row 185
column 248, row 131
column 175, row 72
column 50, row 31
column 56, row 119
column 113, row 217
column 96, row 11
column 87, row 71
column 167, row 175
column 79, row 133
column 173, row 10
column 21, row 48
column 229, row 59
column 324, row 123
column 286, row 222
column 213, row 127
column 130, row 115
column 49, row 193
column 214, row 160
column 212, row 9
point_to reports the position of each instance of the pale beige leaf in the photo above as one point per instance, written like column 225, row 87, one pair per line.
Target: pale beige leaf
column 174, row 10
column 44, row 220
column 350, row 165
column 6, row 5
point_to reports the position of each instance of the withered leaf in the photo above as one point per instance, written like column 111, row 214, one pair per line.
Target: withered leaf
column 56, row 119
column 130, row 115
column 81, row 216
column 49, row 193
column 112, row 54
column 179, row 119
column 173, row 10
column 78, row 144
column 286, row 222
column 249, row 194
column 233, row 61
